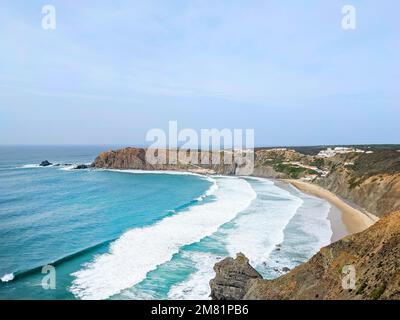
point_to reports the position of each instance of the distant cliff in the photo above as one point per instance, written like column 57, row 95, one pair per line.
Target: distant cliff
column 374, row 254
column 135, row 158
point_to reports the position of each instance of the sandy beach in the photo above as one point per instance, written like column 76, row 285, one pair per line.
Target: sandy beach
column 344, row 218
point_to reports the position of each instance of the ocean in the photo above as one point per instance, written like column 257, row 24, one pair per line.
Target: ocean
column 112, row 234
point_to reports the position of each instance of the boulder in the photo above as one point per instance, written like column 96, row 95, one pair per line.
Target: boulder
column 82, row 166
column 231, row 277
column 45, row 163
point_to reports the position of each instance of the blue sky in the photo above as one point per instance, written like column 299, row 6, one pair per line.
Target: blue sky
column 112, row 70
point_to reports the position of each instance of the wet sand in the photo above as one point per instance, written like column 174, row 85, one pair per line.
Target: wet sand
column 344, row 218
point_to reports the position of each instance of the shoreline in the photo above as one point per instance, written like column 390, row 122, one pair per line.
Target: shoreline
column 344, row 218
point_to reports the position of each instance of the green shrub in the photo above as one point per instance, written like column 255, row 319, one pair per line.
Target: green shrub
column 376, row 294
column 292, row 171
column 319, row 163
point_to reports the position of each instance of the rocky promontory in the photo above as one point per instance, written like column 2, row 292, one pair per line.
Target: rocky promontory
column 135, row 159
column 232, row 276
column 373, row 254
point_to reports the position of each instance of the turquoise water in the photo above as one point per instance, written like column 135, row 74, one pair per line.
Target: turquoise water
column 134, row 235
column 54, row 216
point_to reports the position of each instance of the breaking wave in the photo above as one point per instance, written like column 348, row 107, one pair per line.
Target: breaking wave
column 141, row 250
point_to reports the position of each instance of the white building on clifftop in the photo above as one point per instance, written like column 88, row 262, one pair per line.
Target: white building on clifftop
column 329, row 152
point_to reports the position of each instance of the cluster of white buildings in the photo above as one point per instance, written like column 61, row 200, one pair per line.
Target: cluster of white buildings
column 339, row 150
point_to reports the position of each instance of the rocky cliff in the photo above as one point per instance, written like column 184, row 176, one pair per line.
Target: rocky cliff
column 374, row 254
column 232, row 275
column 135, row 158
column 371, row 181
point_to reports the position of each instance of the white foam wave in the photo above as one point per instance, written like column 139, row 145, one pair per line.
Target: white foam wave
column 29, row 166
column 210, row 191
column 197, row 286
column 64, row 167
column 315, row 222
column 257, row 232
column 315, row 218
column 172, row 172
column 141, row 250
column 7, row 277
column 264, row 180
column 68, row 167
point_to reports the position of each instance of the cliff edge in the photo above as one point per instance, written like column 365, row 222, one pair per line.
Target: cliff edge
column 135, row 158
column 374, row 254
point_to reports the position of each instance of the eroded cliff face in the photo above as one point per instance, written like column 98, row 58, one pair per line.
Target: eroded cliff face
column 371, row 181
column 232, row 276
column 135, row 158
column 378, row 194
column 374, row 254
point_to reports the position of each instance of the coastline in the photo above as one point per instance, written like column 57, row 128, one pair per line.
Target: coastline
column 344, row 218
column 341, row 214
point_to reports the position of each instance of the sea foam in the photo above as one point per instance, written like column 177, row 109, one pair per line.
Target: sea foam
column 141, row 250
column 7, row 277
column 197, row 286
column 172, row 172
column 29, row 166
column 257, row 232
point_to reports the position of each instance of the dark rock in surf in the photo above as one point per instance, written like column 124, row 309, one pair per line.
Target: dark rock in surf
column 81, row 166
column 45, row 163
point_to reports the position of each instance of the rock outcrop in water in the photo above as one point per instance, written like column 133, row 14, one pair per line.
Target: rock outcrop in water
column 374, row 254
column 45, row 163
column 232, row 276
column 82, row 166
